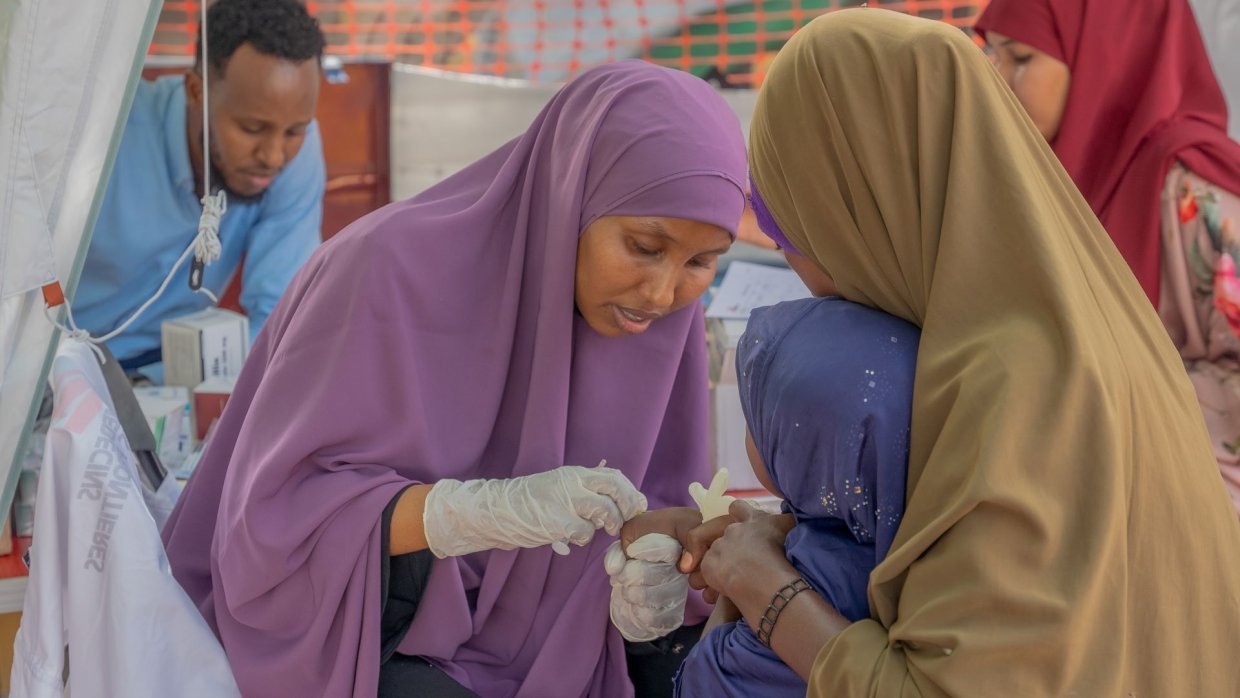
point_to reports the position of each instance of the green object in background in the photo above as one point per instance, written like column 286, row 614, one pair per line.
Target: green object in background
column 159, row 431
column 740, row 41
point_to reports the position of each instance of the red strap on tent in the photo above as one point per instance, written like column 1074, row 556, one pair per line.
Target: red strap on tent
column 53, row 294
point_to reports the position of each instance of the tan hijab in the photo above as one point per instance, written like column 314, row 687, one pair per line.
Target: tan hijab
column 1066, row 532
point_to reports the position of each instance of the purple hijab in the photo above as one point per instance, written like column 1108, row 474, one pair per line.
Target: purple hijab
column 766, row 221
column 436, row 338
column 827, row 390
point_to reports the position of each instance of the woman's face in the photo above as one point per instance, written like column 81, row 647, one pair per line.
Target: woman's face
column 819, row 283
column 631, row 271
column 1039, row 81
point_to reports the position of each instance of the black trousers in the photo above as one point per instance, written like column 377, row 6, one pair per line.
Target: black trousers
column 651, row 664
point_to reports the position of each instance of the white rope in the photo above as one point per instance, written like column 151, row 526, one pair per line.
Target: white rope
column 207, row 242
column 205, row 246
column 72, row 332
column 206, row 112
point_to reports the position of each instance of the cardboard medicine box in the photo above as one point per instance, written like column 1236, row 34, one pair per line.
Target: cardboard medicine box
column 211, row 343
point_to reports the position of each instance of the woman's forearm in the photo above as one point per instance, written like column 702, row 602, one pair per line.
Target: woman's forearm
column 408, row 534
column 804, row 626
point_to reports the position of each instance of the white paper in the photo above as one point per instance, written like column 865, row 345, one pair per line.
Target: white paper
column 156, row 401
column 747, row 286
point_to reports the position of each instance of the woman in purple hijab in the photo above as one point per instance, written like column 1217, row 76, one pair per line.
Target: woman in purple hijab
column 827, row 391
column 422, row 385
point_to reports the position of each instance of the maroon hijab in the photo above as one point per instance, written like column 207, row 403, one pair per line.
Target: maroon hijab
column 1143, row 95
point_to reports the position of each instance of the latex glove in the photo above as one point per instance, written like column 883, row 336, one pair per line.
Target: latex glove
column 565, row 505
column 648, row 592
column 712, row 502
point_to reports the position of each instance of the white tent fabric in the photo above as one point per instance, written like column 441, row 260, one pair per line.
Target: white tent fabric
column 68, row 69
column 1220, row 27
column 442, row 121
column 100, row 582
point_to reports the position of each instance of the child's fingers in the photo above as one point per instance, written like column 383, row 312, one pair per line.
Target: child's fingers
column 697, row 581
column 699, row 540
column 741, row 510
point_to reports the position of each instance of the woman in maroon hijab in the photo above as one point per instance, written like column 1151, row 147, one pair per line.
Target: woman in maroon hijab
column 1124, row 93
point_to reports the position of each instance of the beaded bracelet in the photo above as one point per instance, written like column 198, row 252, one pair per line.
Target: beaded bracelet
column 778, row 603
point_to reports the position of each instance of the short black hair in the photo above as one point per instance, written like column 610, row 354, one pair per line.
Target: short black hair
column 280, row 28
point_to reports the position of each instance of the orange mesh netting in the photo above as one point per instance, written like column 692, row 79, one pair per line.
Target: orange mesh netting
column 728, row 41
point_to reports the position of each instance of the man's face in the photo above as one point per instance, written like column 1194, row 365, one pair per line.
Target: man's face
column 260, row 108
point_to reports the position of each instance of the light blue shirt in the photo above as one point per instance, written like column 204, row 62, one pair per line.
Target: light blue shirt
column 150, row 214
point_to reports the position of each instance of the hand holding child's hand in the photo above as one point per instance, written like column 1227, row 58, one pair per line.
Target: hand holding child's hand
column 648, row 593
column 754, row 543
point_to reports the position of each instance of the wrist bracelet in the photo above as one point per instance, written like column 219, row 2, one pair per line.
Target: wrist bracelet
column 779, row 602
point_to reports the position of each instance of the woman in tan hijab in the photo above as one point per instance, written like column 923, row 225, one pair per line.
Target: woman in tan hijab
column 1066, row 531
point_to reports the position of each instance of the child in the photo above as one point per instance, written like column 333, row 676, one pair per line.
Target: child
column 826, row 387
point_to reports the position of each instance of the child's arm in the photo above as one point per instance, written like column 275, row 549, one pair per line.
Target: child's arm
column 725, row 612
column 673, row 521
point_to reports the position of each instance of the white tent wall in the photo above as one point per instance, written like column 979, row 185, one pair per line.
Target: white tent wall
column 68, row 71
column 1220, row 28
column 442, row 121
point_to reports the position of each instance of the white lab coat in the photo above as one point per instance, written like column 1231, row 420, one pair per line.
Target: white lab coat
column 1219, row 21
column 99, row 580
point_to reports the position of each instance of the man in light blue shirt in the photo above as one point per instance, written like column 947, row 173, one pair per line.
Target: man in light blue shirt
column 266, row 154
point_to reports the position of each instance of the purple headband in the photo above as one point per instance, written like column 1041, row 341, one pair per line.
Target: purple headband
column 766, row 222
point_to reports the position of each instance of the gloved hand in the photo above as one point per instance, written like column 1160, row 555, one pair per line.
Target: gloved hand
column 565, row 505
column 648, row 592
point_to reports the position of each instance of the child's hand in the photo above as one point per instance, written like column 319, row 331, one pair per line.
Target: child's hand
column 695, row 545
column 648, row 593
column 751, row 548
column 673, row 521
column 699, row 540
